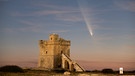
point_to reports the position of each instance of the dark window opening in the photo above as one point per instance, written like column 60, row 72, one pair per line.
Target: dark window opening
column 59, row 66
column 51, row 38
column 61, row 52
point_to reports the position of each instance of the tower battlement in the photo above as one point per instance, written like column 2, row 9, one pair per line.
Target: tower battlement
column 54, row 40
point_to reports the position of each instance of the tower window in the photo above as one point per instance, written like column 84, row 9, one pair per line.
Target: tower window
column 61, row 52
column 51, row 38
column 46, row 52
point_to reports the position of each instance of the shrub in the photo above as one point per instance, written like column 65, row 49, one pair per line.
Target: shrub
column 60, row 70
column 11, row 68
column 107, row 71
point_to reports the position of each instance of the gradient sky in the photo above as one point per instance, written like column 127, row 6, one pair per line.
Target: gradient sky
column 24, row 22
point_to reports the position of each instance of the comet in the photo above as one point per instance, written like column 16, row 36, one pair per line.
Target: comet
column 85, row 14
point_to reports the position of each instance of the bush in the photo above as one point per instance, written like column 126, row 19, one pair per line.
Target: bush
column 11, row 68
column 59, row 70
column 107, row 71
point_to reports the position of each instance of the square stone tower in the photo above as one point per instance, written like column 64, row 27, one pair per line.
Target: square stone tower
column 50, row 56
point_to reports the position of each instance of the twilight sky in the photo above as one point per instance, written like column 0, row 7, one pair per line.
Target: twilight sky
column 112, row 22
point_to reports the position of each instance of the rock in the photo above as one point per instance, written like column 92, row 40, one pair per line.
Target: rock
column 67, row 73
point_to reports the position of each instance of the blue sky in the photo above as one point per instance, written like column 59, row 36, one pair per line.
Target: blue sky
column 112, row 22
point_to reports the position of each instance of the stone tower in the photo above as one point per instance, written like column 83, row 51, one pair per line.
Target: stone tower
column 55, row 53
column 51, row 51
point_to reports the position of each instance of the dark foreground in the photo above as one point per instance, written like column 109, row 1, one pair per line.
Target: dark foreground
column 47, row 73
column 17, row 71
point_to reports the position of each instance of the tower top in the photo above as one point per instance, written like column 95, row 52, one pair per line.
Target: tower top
column 53, row 37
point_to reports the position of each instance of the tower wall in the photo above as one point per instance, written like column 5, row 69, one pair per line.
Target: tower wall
column 46, row 57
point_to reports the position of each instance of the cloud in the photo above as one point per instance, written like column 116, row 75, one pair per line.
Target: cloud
column 70, row 17
column 25, row 26
column 99, row 65
column 31, row 26
column 46, row 9
column 126, row 5
column 28, row 23
column 62, row 13
column 54, row 6
column 53, row 12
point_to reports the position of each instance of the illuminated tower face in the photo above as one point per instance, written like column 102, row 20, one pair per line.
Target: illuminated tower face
column 51, row 50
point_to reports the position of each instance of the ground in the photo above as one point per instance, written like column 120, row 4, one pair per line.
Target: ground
column 47, row 73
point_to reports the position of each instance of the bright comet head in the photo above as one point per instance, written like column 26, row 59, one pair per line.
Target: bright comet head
column 91, row 34
column 89, row 27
